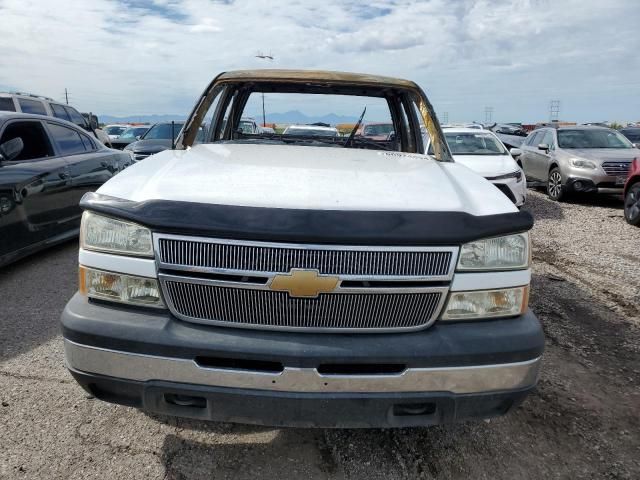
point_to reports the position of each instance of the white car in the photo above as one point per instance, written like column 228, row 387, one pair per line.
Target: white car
column 114, row 131
column 484, row 153
column 305, row 281
column 311, row 131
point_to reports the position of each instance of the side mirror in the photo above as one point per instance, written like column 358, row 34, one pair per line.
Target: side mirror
column 543, row 146
column 515, row 152
column 11, row 149
column 138, row 137
column 636, row 145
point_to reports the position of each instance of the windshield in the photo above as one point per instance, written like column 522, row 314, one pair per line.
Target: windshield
column 599, row 138
column 134, row 132
column 310, row 132
column 162, row 131
column 115, row 130
column 473, row 144
column 379, row 129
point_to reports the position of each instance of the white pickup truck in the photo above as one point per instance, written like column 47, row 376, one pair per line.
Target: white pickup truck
column 303, row 280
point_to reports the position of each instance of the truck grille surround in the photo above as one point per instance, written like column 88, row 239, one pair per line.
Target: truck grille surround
column 228, row 283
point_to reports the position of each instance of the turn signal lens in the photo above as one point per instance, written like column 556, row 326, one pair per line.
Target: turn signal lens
column 481, row 304
column 120, row 288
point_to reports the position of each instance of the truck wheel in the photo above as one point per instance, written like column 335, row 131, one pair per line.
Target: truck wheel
column 632, row 205
column 555, row 189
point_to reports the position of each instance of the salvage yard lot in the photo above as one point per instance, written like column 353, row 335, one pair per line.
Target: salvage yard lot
column 582, row 422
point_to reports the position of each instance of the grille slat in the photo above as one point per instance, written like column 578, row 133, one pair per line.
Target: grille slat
column 328, row 261
column 276, row 309
column 619, row 169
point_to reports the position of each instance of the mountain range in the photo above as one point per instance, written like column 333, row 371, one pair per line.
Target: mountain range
column 292, row 116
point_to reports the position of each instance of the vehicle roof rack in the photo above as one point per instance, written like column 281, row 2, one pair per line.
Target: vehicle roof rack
column 33, row 95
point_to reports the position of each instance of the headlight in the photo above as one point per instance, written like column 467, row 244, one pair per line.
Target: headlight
column 108, row 234
column 517, row 175
column 120, row 288
column 580, row 163
column 499, row 253
column 482, row 304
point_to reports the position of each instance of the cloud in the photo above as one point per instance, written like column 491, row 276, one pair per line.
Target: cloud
column 126, row 57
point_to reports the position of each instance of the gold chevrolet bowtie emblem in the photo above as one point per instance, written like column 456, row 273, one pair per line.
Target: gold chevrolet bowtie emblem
column 304, row 283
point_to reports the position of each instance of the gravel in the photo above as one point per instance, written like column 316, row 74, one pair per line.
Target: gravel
column 582, row 422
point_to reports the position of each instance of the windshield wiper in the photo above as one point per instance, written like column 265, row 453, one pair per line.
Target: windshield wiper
column 366, row 141
column 355, row 129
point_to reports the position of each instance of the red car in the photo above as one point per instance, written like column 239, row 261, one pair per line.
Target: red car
column 632, row 194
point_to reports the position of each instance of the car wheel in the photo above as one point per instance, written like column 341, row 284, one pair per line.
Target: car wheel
column 555, row 190
column 632, row 205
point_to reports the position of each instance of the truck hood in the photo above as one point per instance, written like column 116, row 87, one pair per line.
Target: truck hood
column 306, row 177
column 604, row 154
column 488, row 165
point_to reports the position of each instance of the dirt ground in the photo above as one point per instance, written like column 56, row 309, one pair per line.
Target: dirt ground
column 582, row 422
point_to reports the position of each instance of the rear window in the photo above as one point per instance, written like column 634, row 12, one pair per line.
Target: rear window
column 6, row 104
column 32, row 106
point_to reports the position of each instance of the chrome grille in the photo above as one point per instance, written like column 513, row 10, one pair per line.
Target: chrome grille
column 269, row 309
column 281, row 258
column 617, row 169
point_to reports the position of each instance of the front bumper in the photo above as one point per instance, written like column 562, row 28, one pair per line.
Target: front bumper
column 514, row 190
column 580, row 180
column 445, row 373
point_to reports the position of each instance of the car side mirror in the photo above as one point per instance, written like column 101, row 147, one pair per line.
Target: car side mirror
column 515, row 152
column 636, row 145
column 138, row 137
column 543, row 146
column 11, row 149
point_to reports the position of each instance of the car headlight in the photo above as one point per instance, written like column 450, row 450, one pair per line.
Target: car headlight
column 517, row 175
column 120, row 288
column 482, row 304
column 106, row 234
column 510, row 252
column 580, row 163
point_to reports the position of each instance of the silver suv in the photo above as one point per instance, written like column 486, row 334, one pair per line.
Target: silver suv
column 39, row 105
column 576, row 159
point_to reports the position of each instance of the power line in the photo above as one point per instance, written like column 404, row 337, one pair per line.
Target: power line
column 488, row 114
column 554, row 110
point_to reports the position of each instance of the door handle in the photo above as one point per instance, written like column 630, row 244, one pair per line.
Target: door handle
column 64, row 175
column 104, row 164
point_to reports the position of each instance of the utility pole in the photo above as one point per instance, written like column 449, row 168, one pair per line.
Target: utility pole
column 66, row 96
column 269, row 57
column 554, row 110
column 488, row 114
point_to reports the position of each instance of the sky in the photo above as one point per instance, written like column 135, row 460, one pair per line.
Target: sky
column 135, row 57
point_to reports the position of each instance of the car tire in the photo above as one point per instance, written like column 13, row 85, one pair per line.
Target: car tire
column 555, row 189
column 632, row 205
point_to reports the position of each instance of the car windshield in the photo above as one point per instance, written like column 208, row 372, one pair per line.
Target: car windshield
column 162, row 131
column 298, row 118
column 379, row 129
column 133, row 132
column 473, row 144
column 115, row 130
column 310, row 132
column 598, row 138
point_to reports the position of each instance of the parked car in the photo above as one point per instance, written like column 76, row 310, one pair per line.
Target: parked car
column 114, row 131
column 576, row 159
column 130, row 135
column 46, row 166
column 156, row 139
column 311, row 131
column 632, row 194
column 484, row 153
column 249, row 126
column 39, row 105
column 632, row 134
column 376, row 131
column 288, row 280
